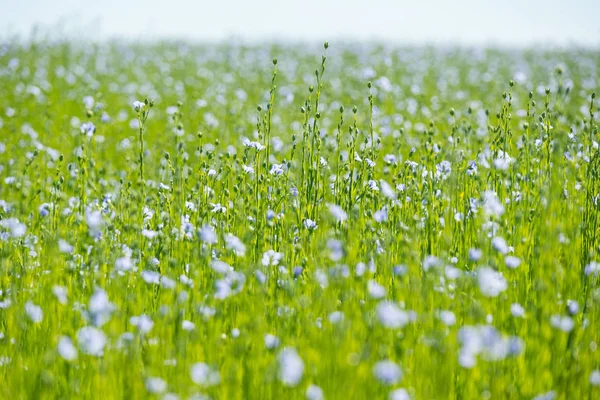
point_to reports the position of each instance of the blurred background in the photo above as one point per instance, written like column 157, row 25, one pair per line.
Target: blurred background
column 510, row 23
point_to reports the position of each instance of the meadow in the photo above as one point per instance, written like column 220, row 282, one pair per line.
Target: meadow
column 344, row 221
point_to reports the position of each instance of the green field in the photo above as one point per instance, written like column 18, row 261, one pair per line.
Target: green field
column 288, row 221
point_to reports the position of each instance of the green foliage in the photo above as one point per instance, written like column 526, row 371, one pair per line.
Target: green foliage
column 448, row 224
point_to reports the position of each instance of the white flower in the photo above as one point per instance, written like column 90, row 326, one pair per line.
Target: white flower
column 253, row 145
column 235, row 244
column 387, row 190
column 475, row 254
column 4, row 304
column 486, row 341
column 381, row 215
column 149, row 234
column 592, row 268
column 338, row 212
column 16, row 228
column 373, row 185
column 399, row 394
column 313, row 392
column 231, row 284
column 64, row 246
column 431, row 262
column 472, row 168
column 167, row 282
column 370, row 162
column 390, row 158
column 499, row 244
column 143, row 323
column 336, row 317
column 376, row 291
column 66, row 349
column 321, row 278
column 45, row 208
column 551, row 395
column 88, row 102
column 155, row 385
column 123, row 264
column 61, row 293
column 138, row 106
column 270, row 215
column 595, row 378
column 572, row 306
column 271, row 258
column 337, row 249
column 91, row 340
column 188, row 325
column 564, row 323
column 276, row 143
column 208, row 234
column 34, row 312
column 451, row 272
column 151, row 277
column 491, row 205
column 276, row 169
column 94, row 222
column 447, row 317
column 100, row 308
column 443, row 169
column 88, row 129
column 512, row 261
column 218, row 208
column 148, row 213
column 391, row 316
column 186, row 281
column 291, row 367
column 387, row 372
column 271, row 341
column 491, row 282
column 310, row 224
column 503, row 161
column 220, row 267
column 202, row 374
column 517, row 310
column 190, row 206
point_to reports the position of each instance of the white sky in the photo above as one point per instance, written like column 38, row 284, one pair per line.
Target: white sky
column 467, row 22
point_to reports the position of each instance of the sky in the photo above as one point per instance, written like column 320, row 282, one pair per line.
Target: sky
column 512, row 23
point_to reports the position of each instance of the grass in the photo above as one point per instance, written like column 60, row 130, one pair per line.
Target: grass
column 187, row 221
